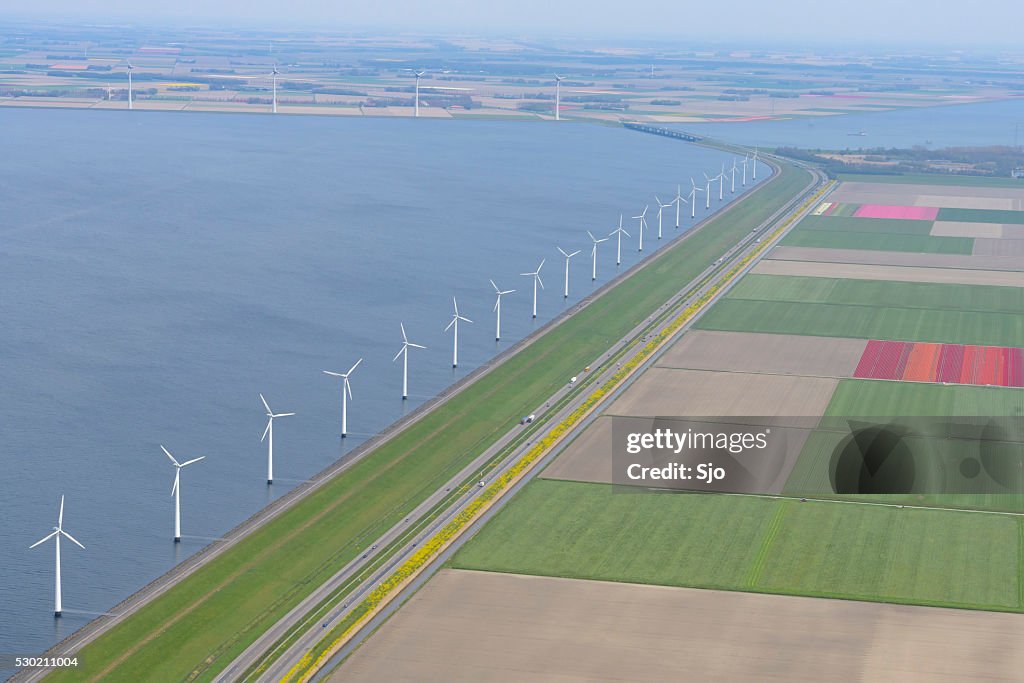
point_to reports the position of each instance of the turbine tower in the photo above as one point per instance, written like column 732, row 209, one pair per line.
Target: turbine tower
column 744, row 163
column 593, row 254
column 618, row 245
column 733, row 189
column 404, row 351
column 57, row 532
column 565, row 295
column 693, row 198
column 721, row 181
column 419, row 75
column 130, row 69
column 176, row 490
column 558, row 100
column 268, row 435
column 497, row 309
column 346, row 393
column 707, row 193
column 455, row 323
column 273, row 75
column 678, row 202
column 536, row 280
column 754, row 159
column 643, row 224
column 661, row 208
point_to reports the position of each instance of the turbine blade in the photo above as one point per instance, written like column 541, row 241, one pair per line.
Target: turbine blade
column 402, row 325
column 72, row 539
column 541, row 265
column 400, row 352
column 267, row 430
column 562, row 252
column 348, row 388
column 333, row 374
column 189, row 462
column 169, row 455
column 177, row 475
column 539, row 281
column 591, row 236
column 417, row 346
column 456, row 304
column 451, row 323
column 266, row 405
column 283, row 415
column 44, row 539
column 574, row 253
column 465, row 319
column 60, row 515
column 353, row 367
column 495, row 286
column 508, row 291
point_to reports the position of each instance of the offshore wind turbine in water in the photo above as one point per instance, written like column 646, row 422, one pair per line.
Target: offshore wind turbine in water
column 497, row 309
column 593, row 254
column 619, row 232
column 346, row 393
column 567, row 257
column 57, row 532
column 536, row 281
column 176, row 490
column 419, row 75
column 456, row 317
column 404, row 351
column 268, row 436
column 558, row 98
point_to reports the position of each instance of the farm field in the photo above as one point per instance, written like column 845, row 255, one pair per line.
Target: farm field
column 821, row 549
column 526, row 615
column 859, row 271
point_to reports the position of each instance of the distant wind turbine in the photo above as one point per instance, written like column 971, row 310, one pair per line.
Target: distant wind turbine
column 558, row 100
column 754, row 160
column 721, row 181
column 678, row 201
column 404, row 351
column 643, row 224
column 57, row 532
column 733, row 189
column 130, row 69
column 419, row 75
column 497, row 309
column 619, row 231
column 346, row 393
column 269, row 432
column 744, row 163
column 176, row 490
column 273, row 75
column 536, row 281
column 693, row 198
column 455, row 323
column 567, row 257
column 593, row 254
column 661, row 208
column 707, row 192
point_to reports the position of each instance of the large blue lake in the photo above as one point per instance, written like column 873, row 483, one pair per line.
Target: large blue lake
column 157, row 271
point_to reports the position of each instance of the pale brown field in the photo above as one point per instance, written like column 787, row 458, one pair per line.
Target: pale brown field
column 854, row 271
column 947, row 196
column 482, row 626
column 957, row 229
column 998, row 247
column 893, row 258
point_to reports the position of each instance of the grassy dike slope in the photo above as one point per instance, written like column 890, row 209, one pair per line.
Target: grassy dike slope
column 200, row 625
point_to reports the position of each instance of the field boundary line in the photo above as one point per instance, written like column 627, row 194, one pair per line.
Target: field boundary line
column 774, row 526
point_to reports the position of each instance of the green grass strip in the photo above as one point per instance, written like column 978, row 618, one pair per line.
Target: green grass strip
column 981, row 216
column 931, row 179
column 889, row 226
column 754, row 575
column 842, row 239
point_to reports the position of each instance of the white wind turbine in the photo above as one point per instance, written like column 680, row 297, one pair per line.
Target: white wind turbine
column 269, row 432
column 273, row 75
column 693, row 198
column 707, row 192
column 618, row 245
column 404, row 351
column 455, row 323
column 678, row 201
column 567, row 257
column 130, row 69
column 733, row 190
column 754, row 160
column 176, row 490
column 593, row 254
column 744, row 163
column 497, row 309
column 661, row 208
column 419, row 75
column 643, row 224
column 57, row 532
column 558, row 100
column 346, row 393
column 536, row 281
column 721, row 181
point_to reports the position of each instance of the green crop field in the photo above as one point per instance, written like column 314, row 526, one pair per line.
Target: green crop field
column 989, row 298
column 871, row 309
column 981, row 216
column 931, row 179
column 889, row 226
column 197, row 627
column 823, row 549
column 937, row 458
column 842, row 239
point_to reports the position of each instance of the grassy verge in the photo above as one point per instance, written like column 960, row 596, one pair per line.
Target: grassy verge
column 926, row 557
column 200, row 625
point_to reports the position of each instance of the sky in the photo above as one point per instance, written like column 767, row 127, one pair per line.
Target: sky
column 947, row 23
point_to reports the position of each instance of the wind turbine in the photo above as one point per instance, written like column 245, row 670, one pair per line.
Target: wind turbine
column 497, row 309
column 643, row 224
column 567, row 257
column 593, row 254
column 455, row 323
column 618, row 249
column 661, row 208
column 346, row 393
column 733, row 190
column 404, row 351
column 754, row 160
column 176, row 490
column 678, row 202
column 693, row 197
column 130, row 69
column 707, row 192
column 721, row 181
column 269, row 432
column 57, row 532
column 419, row 75
column 744, row 163
column 558, row 100
column 536, row 280
column 273, row 75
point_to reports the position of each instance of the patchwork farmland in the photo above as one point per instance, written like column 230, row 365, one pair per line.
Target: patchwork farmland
column 890, row 300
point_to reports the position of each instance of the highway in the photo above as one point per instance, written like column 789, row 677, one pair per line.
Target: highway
column 308, row 623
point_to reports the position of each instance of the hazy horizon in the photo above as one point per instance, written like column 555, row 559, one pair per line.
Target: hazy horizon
column 869, row 22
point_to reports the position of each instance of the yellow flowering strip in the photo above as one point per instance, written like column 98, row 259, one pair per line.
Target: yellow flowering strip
column 381, row 595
